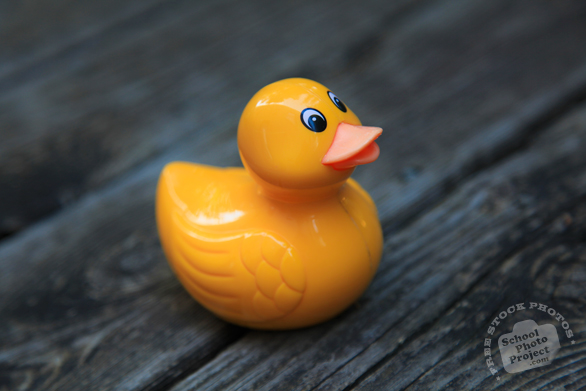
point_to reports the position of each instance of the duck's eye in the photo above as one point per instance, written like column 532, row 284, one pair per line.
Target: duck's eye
column 337, row 101
column 314, row 120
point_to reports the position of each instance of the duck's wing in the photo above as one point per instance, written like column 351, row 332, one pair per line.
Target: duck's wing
column 244, row 276
column 251, row 275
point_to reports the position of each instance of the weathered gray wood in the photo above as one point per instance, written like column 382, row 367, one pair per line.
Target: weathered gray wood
column 39, row 29
column 95, row 242
column 533, row 263
column 487, row 246
column 89, row 303
column 73, row 121
column 545, row 271
column 100, row 135
column 473, row 90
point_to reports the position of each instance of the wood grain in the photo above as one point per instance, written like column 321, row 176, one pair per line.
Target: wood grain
column 39, row 29
column 86, row 297
column 88, row 301
column 497, row 240
column 73, row 121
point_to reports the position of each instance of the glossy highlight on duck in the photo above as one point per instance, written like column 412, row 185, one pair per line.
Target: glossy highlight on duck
column 290, row 240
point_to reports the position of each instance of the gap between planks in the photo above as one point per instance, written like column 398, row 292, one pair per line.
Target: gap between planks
column 428, row 326
column 528, row 132
column 458, row 179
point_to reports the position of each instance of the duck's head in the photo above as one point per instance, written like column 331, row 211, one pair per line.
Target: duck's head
column 295, row 136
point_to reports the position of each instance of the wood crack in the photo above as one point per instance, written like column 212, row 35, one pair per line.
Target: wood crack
column 422, row 331
column 191, row 363
column 541, row 233
column 468, row 176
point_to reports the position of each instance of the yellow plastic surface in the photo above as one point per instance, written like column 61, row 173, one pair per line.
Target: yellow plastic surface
column 289, row 242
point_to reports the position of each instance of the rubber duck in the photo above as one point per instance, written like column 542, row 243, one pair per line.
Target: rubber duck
column 290, row 240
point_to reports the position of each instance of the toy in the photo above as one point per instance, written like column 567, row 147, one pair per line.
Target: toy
column 290, row 241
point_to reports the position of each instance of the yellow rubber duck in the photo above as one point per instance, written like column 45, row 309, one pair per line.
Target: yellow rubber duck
column 290, row 241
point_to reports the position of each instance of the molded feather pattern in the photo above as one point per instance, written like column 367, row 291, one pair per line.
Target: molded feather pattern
column 240, row 274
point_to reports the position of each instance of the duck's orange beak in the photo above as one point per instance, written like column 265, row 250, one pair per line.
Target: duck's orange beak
column 352, row 146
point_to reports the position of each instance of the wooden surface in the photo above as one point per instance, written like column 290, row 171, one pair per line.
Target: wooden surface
column 481, row 187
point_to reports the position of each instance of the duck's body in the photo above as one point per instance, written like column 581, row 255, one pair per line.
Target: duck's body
column 290, row 241
column 260, row 262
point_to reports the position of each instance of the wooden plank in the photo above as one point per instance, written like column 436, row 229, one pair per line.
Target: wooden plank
column 39, row 29
column 449, row 354
column 536, row 263
column 88, row 301
column 507, row 235
column 72, row 122
column 104, row 133
column 105, row 219
column 483, row 86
